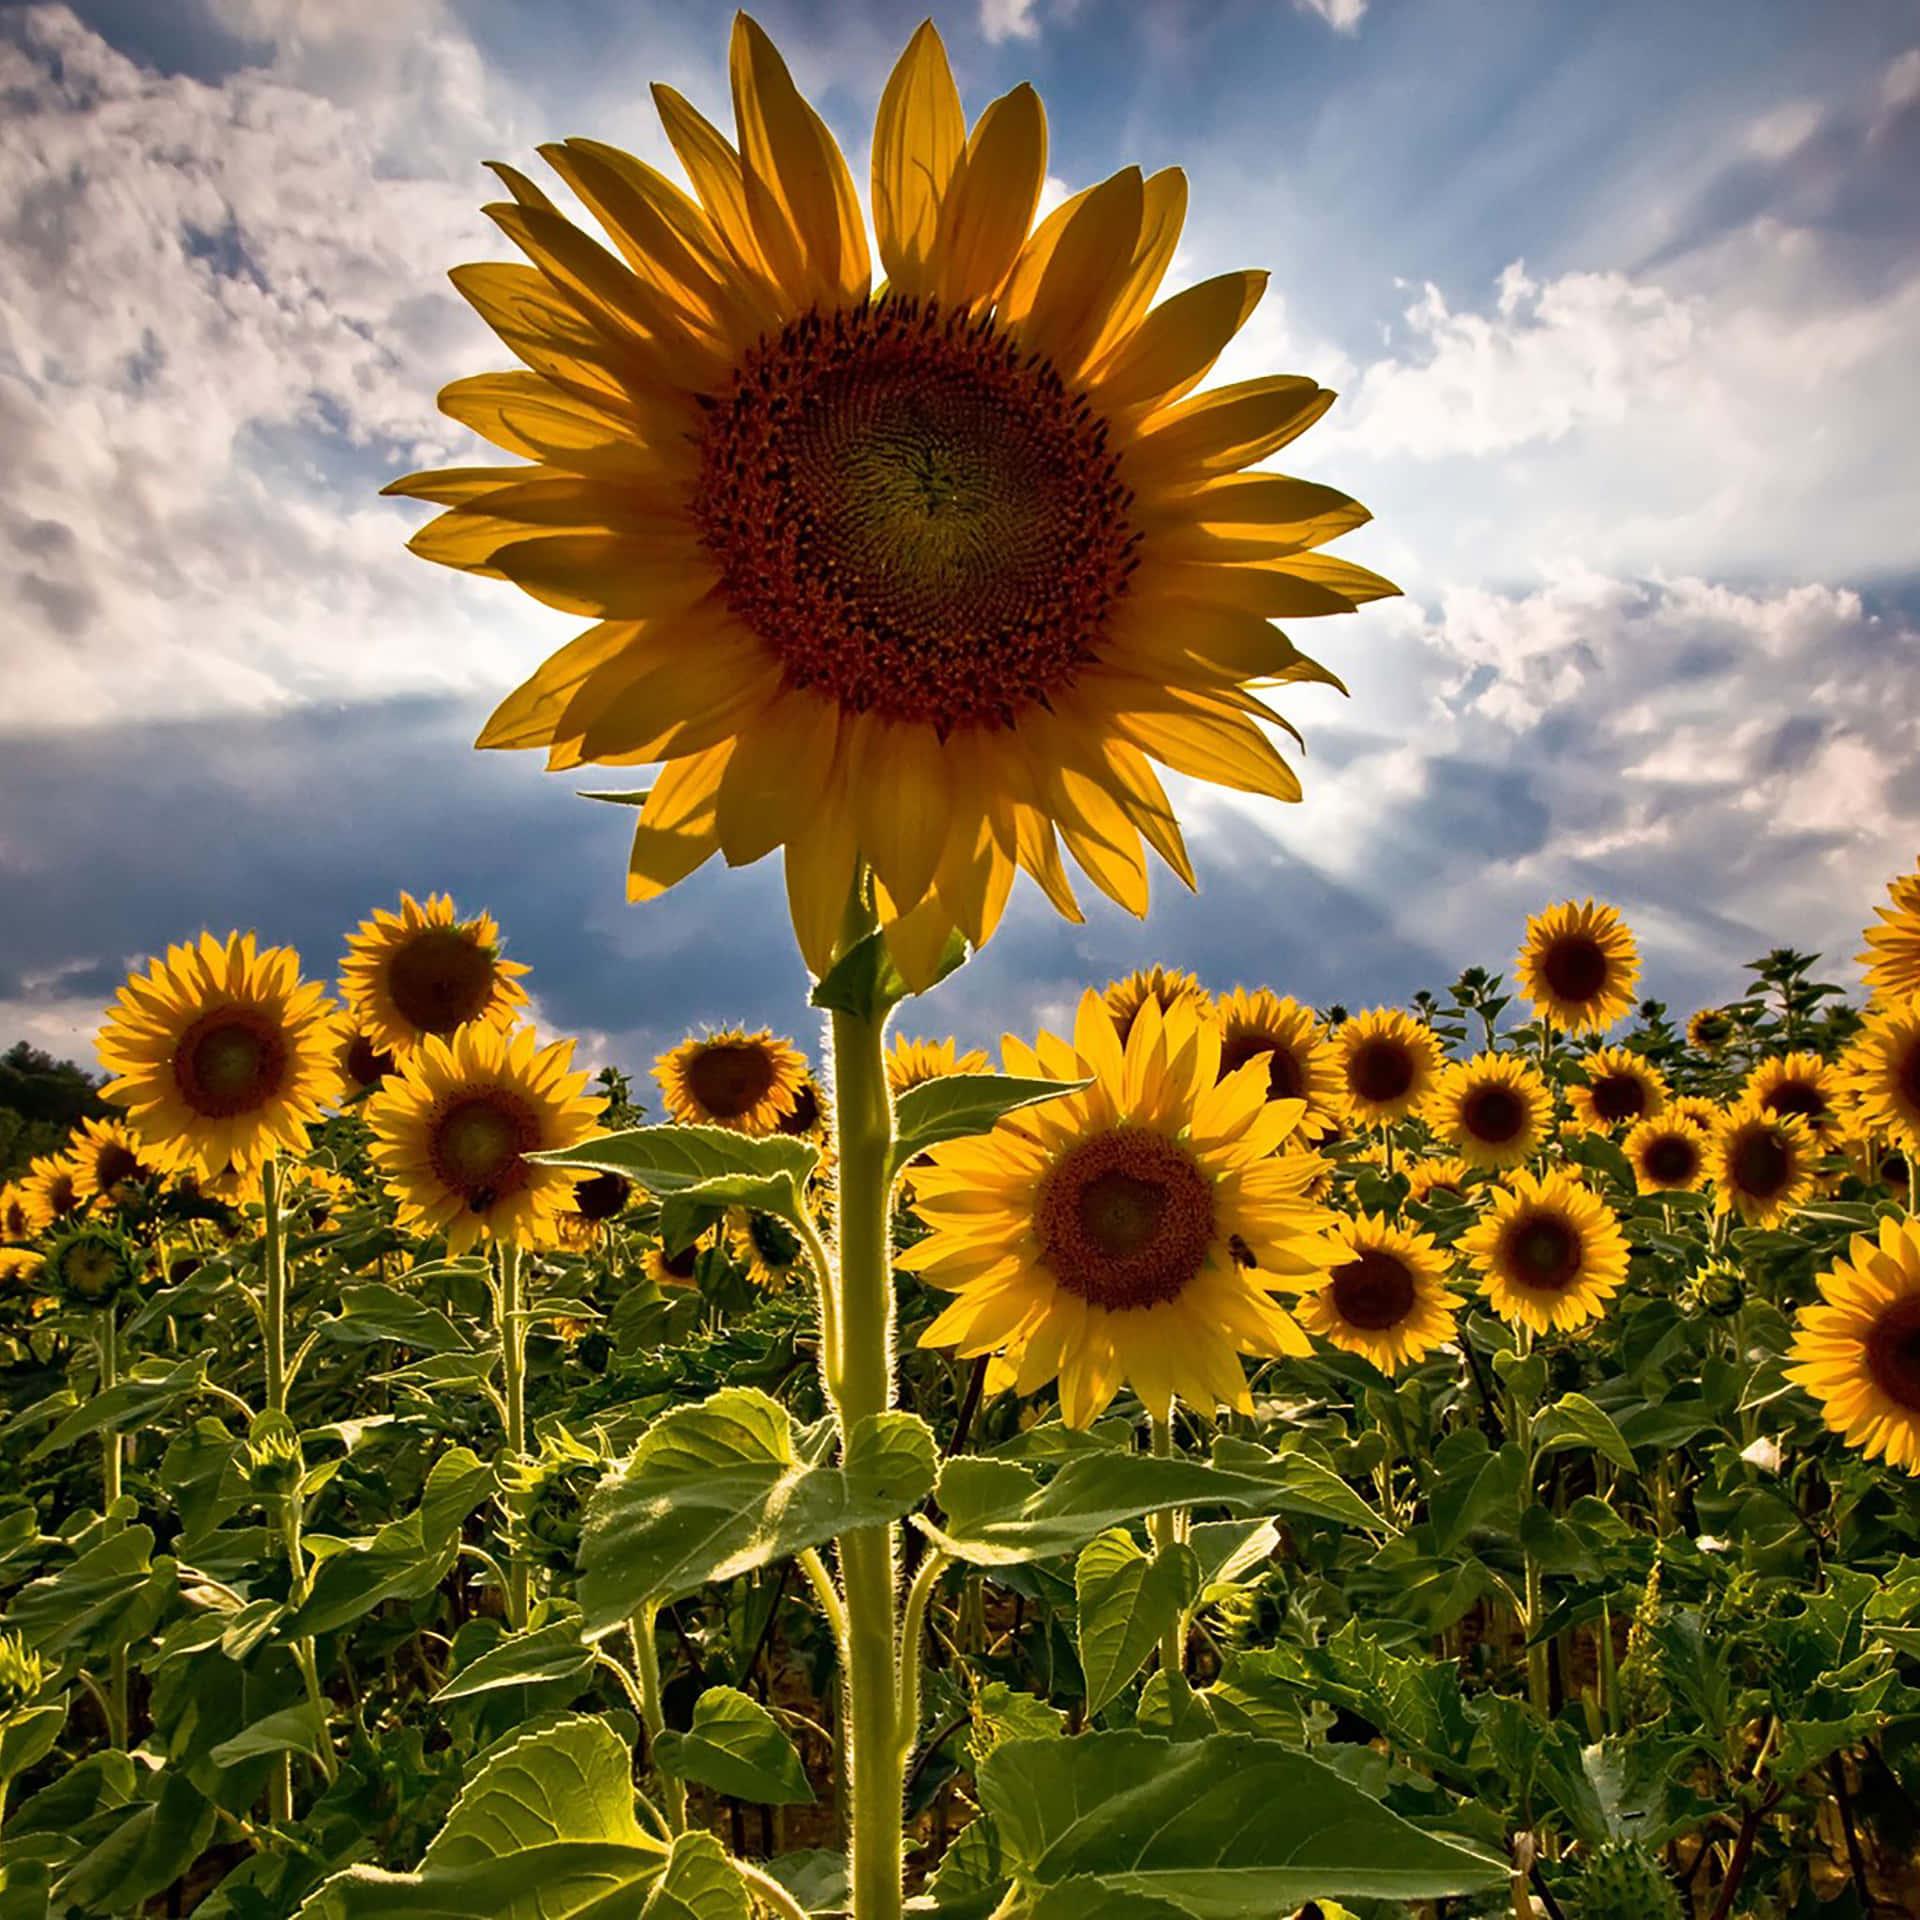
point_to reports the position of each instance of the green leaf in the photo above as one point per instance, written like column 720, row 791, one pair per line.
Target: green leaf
column 667, row 1160
column 735, row 1746
column 865, row 982
column 1574, row 1421
column 552, row 1652
column 1218, row 1829
column 26, row 1738
column 686, row 1215
column 545, row 1830
column 1085, row 1898
column 144, row 1854
column 716, row 1489
column 1127, row 1600
column 635, row 797
column 699, row 1884
column 291, row 1730
column 961, row 1104
column 377, row 1312
column 101, row 1589
column 139, row 1401
column 971, row 1877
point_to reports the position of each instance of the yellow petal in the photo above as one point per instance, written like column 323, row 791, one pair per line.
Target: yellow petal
column 1223, row 428
column 615, row 576
column 1225, row 748
column 1070, row 272
column 531, row 417
column 1163, row 211
column 917, row 939
column 1173, row 347
column 821, row 855
column 1273, row 592
column 990, row 203
column 918, row 138
column 903, row 798
column 776, row 777
column 676, row 831
column 717, row 176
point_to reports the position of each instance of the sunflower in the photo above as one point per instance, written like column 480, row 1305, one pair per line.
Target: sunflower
column 108, row 1157
column 1444, row 1176
column 20, row 1265
column 666, row 1269
column 1387, row 1296
column 1388, row 1063
column 925, row 575
column 912, row 1063
column 1892, row 958
column 1883, row 1071
column 224, row 1055
column 1709, row 1029
column 1577, row 966
column 453, row 1127
column 767, row 1248
column 747, row 1082
column 1622, row 1087
column 1302, row 1062
column 1668, row 1155
column 49, row 1190
column 597, row 1202
column 360, row 1063
column 1857, row 1352
column 1762, row 1163
column 1166, row 987
column 423, row 970
column 16, row 1222
column 1093, row 1237
column 323, row 1193
column 89, row 1266
column 1549, row 1254
column 811, row 1118
column 1690, row 1106
column 1491, row 1110
column 1803, row 1084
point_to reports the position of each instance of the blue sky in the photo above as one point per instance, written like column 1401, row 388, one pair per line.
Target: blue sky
column 1623, row 304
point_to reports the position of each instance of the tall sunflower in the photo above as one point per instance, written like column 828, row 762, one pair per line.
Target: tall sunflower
column 746, row 1082
column 912, row 1063
column 452, row 1130
column 1577, row 966
column 1387, row 1295
column 108, row 1156
column 223, row 1055
column 1668, row 1155
column 1492, row 1110
column 925, row 575
column 1892, row 958
column 1883, row 1071
column 1549, row 1253
column 1802, row 1083
column 1094, row 1237
column 1709, row 1029
column 1166, row 987
column 1622, row 1087
column 1762, row 1163
column 1388, row 1065
column 425, row 970
column 49, row 1190
column 1857, row 1352
column 1302, row 1062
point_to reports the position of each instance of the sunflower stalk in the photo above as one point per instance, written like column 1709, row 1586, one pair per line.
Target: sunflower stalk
column 274, row 1277
column 510, row 1312
column 107, row 1341
column 1167, row 1529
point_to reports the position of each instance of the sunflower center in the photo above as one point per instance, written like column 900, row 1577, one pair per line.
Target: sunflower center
column 730, row 1077
column 1795, row 1096
column 1285, row 1081
column 601, row 1197
column 367, row 1064
column 477, row 1143
column 90, row 1269
column 1494, row 1115
column 232, row 1060
column 806, row 1112
column 915, row 515
column 441, row 979
column 1125, row 1219
column 1671, row 1160
column 1618, row 1096
column 1893, row 1351
column 1575, row 967
column 115, row 1164
column 1380, row 1071
column 681, row 1265
column 1762, row 1165
column 1543, row 1252
column 1907, row 1077
column 1373, row 1292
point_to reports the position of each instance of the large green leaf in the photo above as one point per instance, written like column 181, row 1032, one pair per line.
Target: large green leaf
column 152, row 1390
column 960, row 1104
column 1219, row 1828
column 667, row 1160
column 735, row 1746
column 552, row 1652
column 109, row 1596
column 697, row 1885
column 378, row 1312
column 545, row 1831
column 1126, row 1600
column 864, row 981
column 724, row 1486
column 1574, row 1421
column 145, row 1852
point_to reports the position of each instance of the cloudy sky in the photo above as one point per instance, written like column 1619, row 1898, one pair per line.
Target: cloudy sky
column 1623, row 304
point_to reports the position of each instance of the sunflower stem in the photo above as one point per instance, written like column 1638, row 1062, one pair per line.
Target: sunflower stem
column 274, row 1307
column 860, row 1384
column 646, row 1661
column 1166, row 1536
column 107, row 1340
column 513, row 1382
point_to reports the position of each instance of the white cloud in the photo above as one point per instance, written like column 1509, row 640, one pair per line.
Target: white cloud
column 1008, row 20
column 1343, row 16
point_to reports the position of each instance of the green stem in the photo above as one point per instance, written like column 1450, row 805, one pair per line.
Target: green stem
column 113, row 1450
column 513, row 1382
column 769, row 1892
column 912, row 1633
column 1166, row 1535
column 274, row 1308
column 646, row 1661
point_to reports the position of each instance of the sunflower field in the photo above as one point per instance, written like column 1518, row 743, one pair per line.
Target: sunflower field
column 1226, row 1459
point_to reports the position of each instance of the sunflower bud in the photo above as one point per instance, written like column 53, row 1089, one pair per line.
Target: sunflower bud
column 21, row 1674
column 275, row 1462
column 90, row 1267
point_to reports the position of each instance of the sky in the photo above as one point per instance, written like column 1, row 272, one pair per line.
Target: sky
column 1622, row 304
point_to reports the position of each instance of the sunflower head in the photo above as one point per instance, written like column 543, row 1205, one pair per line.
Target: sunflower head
column 1386, row 1296
column 1621, row 1088
column 1804, row 1085
column 1302, row 1062
column 453, row 1129
column 1134, row 1232
column 88, row 1266
column 1491, row 1110
column 767, row 1248
column 926, row 576
column 425, row 971
column 912, row 1063
column 1166, row 987
column 52, row 1188
column 680, row 1269
column 1709, row 1029
column 109, row 1158
column 1668, row 1155
column 1388, row 1064
column 1882, row 1071
column 1441, row 1177
column 1892, row 958
column 746, row 1082
column 1577, row 966
column 16, row 1223
column 21, row 1266
column 360, row 1062
column 1762, row 1163
column 1549, row 1254
column 597, row 1202
column 1857, row 1351
column 223, row 1054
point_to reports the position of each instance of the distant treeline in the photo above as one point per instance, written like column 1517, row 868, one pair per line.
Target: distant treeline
column 40, row 1100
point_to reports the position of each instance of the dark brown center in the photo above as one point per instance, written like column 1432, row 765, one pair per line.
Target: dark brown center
column 1618, row 1097
column 1893, row 1351
column 1285, row 1079
column 1541, row 1251
column 680, row 1266
column 477, row 1145
column 1125, row 1219
column 367, row 1065
column 440, row 979
column 1761, row 1165
column 1795, row 1096
column 1575, row 968
column 1907, row 1078
column 1381, row 1071
column 806, row 1111
column 115, row 1163
column 602, row 1196
column 1670, row 1160
column 232, row 1060
column 728, row 1078
column 1374, row 1292
column 1494, row 1115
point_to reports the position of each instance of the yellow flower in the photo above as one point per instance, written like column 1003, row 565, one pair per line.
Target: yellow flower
column 1388, row 1064
column 767, row 1247
column 21, row 1264
column 1622, row 1087
column 1669, row 1155
column 1857, row 1352
column 1709, row 1029
column 1166, row 987
column 747, row 1082
column 453, row 1126
column 1093, row 1237
column 16, row 1221
column 360, row 1063
column 1577, row 966
column 108, row 1159
column 323, row 1192
column 597, row 1202
column 926, row 576
column 1892, row 958
column 912, row 1063
column 223, row 1055
column 1491, row 1110
column 1302, row 1062
column 1803, row 1084
column 422, row 971
column 1883, row 1070
column 1445, row 1175
column 1387, row 1296
column 673, row 1269
column 1690, row 1106
column 1549, row 1254
column 1762, row 1163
